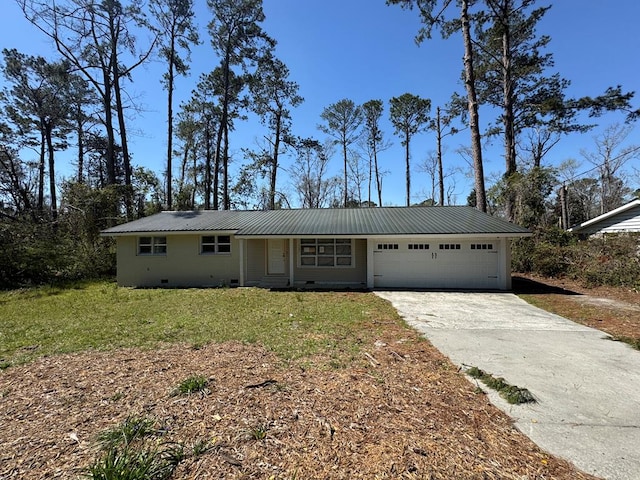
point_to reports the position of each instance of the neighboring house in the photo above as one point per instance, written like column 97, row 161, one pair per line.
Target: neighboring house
column 624, row 219
column 391, row 247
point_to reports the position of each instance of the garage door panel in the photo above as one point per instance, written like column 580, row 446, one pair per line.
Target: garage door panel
column 443, row 264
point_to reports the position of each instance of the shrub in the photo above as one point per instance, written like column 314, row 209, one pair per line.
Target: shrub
column 610, row 260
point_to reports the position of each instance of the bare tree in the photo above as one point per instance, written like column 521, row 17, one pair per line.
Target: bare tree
column 311, row 181
column 610, row 157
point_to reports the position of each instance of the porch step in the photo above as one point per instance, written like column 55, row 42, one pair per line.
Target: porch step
column 274, row 282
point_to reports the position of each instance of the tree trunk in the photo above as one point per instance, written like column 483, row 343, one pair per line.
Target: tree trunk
column 80, row 133
column 208, row 182
column 346, row 185
column 123, row 140
column 378, row 179
column 472, row 102
column 508, row 117
column 226, row 200
column 370, row 180
column 40, row 204
column 170, row 122
column 52, row 174
column 564, row 214
column 274, row 164
column 195, row 179
column 408, row 173
column 440, row 173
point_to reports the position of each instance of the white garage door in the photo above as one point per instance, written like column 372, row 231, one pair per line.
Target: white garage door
column 436, row 264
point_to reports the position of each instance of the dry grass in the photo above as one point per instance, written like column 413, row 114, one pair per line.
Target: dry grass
column 613, row 310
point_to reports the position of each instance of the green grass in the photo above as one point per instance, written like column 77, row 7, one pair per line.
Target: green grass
column 193, row 384
column 135, row 451
column 102, row 316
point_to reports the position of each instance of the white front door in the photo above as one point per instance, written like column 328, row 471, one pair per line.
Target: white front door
column 275, row 257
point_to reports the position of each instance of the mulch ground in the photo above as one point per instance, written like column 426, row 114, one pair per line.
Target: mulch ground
column 614, row 310
column 399, row 410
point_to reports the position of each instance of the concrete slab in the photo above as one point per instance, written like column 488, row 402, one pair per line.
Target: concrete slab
column 587, row 387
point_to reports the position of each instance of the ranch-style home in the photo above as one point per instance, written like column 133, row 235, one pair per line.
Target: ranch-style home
column 453, row 247
column 624, row 219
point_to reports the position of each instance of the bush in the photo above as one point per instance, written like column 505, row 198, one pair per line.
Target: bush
column 544, row 253
column 610, row 260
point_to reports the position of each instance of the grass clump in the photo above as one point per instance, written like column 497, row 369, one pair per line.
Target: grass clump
column 132, row 429
column 135, row 451
column 192, row 384
column 511, row 393
column 129, row 455
column 126, row 463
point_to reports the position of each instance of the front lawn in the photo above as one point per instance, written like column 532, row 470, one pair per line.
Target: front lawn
column 102, row 316
column 101, row 382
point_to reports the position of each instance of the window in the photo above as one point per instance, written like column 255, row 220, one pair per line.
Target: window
column 482, row 246
column 387, row 246
column 418, row 246
column 326, row 252
column 152, row 245
column 215, row 244
column 449, row 246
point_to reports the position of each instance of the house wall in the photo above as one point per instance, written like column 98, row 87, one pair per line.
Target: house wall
column 256, row 261
column 182, row 266
column 356, row 274
column 628, row 221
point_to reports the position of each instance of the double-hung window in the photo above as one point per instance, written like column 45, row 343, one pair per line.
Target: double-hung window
column 215, row 244
column 152, row 245
column 326, row 252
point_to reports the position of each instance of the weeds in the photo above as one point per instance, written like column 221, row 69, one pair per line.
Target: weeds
column 631, row 341
column 131, row 464
column 511, row 393
column 133, row 451
column 259, row 432
column 200, row 448
column 133, row 428
column 193, row 384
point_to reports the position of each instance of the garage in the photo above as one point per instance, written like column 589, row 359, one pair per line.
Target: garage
column 437, row 263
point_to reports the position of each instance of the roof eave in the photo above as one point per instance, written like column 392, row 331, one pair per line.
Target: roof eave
column 604, row 216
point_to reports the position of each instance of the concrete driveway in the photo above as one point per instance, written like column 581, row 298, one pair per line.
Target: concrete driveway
column 586, row 386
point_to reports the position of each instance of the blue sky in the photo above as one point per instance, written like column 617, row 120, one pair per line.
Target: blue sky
column 363, row 49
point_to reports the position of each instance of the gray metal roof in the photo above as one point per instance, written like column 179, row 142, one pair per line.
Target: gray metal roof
column 338, row 222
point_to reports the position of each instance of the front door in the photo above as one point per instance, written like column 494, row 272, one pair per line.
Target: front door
column 275, row 257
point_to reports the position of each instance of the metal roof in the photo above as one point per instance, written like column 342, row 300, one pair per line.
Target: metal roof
column 337, row 222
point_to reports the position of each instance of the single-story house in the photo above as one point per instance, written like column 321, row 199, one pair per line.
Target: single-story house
column 391, row 247
column 624, row 219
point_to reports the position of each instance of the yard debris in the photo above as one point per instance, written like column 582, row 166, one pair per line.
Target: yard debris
column 417, row 418
column 266, row 383
column 372, row 359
